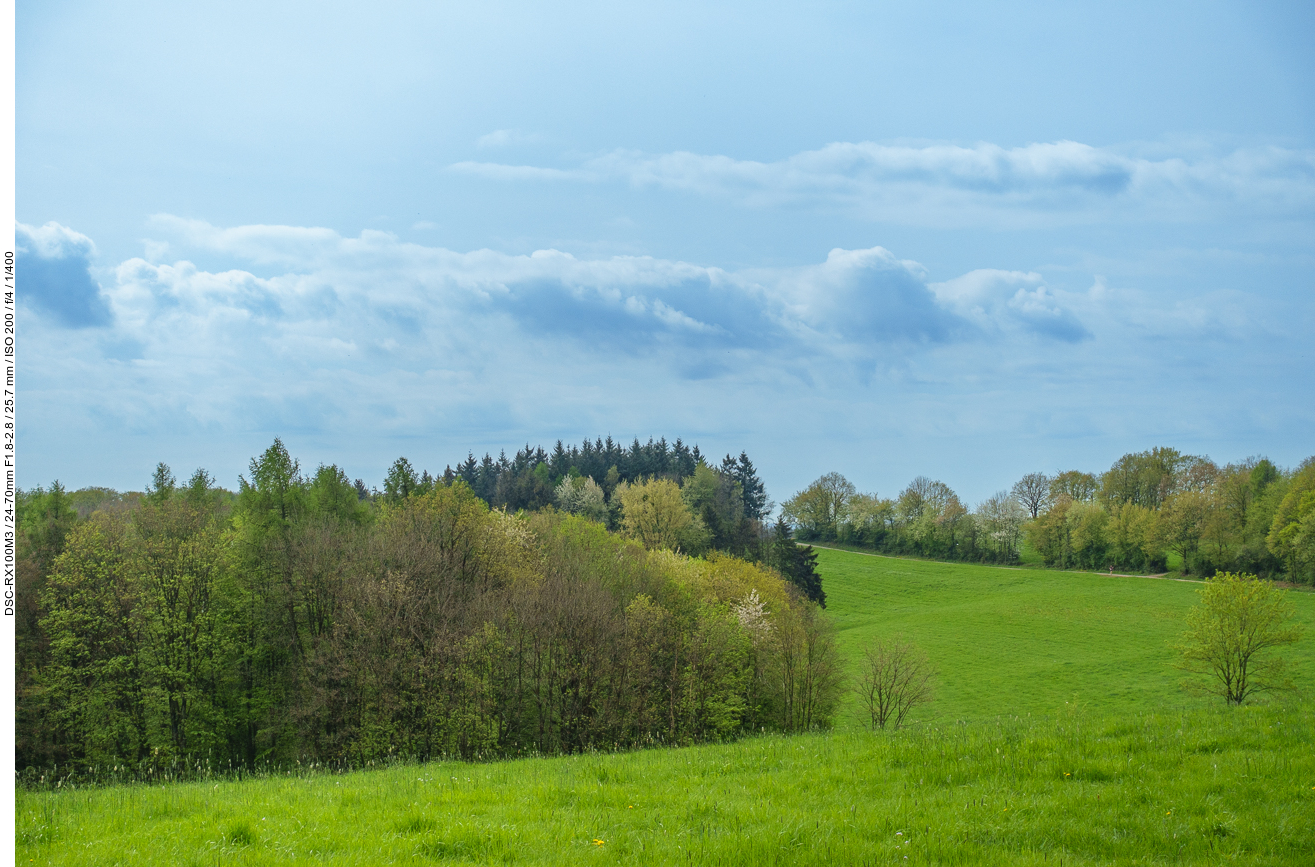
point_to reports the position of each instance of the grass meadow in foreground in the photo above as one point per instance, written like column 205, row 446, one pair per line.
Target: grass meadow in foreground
column 1201, row 787
column 1060, row 735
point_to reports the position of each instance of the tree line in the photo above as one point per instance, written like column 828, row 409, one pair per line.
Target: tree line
column 927, row 519
column 1245, row 517
column 529, row 480
column 302, row 618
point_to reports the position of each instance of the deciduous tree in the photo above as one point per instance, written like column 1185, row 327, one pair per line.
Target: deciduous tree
column 819, row 509
column 1292, row 533
column 1075, row 485
column 894, row 677
column 654, row 513
column 1032, row 492
column 1232, row 633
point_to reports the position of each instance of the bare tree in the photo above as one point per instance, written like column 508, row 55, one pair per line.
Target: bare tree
column 895, row 676
column 1032, row 492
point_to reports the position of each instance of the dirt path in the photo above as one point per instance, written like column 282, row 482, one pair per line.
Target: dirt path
column 1163, row 576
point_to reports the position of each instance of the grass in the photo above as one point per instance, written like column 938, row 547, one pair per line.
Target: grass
column 1018, row 641
column 1060, row 736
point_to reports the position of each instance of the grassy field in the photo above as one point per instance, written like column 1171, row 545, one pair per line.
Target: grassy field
column 1020, row 641
column 1059, row 736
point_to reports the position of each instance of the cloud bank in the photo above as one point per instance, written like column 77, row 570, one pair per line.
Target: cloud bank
column 375, row 292
column 942, row 184
column 384, row 343
column 423, row 333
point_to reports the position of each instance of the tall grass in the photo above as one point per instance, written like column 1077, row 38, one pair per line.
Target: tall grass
column 1201, row 787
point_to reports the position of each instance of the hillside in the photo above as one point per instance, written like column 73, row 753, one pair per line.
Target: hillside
column 1129, row 770
column 1020, row 641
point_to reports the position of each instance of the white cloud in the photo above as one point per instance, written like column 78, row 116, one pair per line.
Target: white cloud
column 941, row 184
column 53, row 241
column 399, row 335
column 332, row 290
column 500, row 172
column 375, row 337
column 1010, row 301
column 360, row 349
column 506, row 137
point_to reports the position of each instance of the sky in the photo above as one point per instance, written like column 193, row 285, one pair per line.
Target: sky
column 881, row 239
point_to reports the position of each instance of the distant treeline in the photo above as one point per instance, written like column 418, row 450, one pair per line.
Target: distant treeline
column 927, row 519
column 305, row 618
column 1249, row 516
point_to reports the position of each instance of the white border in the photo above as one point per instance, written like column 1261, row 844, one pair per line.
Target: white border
column 8, row 213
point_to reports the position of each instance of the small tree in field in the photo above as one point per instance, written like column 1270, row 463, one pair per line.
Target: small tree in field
column 894, row 676
column 1239, row 619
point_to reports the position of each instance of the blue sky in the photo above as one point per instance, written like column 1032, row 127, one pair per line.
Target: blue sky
column 881, row 239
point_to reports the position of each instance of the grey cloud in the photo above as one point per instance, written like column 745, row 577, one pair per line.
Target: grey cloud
column 628, row 322
column 53, row 267
column 389, row 305
column 869, row 295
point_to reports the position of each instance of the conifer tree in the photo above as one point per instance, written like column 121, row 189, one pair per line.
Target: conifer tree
column 798, row 563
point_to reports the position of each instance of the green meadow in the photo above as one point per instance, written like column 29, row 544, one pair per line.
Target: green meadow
column 1060, row 734
column 1028, row 641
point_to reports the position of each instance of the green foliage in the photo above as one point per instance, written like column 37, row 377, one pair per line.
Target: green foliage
column 44, row 518
column 1093, row 535
column 88, row 500
column 654, row 513
column 731, row 510
column 400, row 482
column 718, row 499
column 1145, row 478
column 94, row 678
column 927, row 519
column 1231, row 635
column 741, row 470
column 333, row 495
column 1073, row 485
column 820, row 509
column 1244, row 517
column 305, row 622
column 1181, row 521
column 1291, row 535
column 300, row 619
column 581, row 495
column 162, row 485
column 1056, row 734
column 275, row 495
